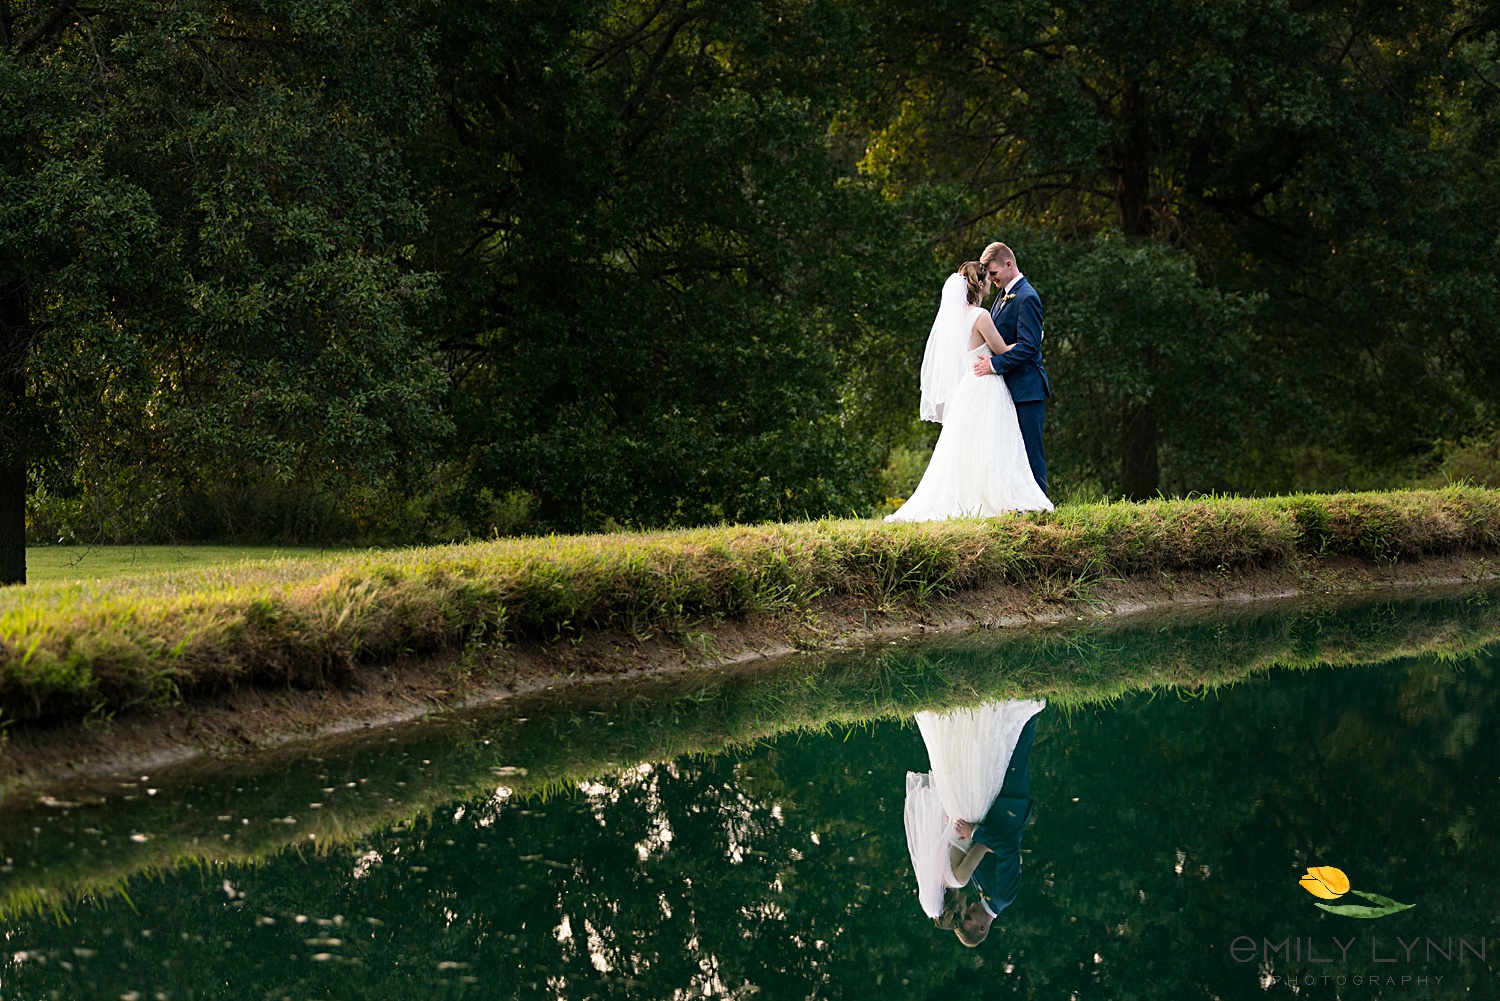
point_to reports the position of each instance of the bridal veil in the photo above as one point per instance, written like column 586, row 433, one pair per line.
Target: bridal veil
column 943, row 363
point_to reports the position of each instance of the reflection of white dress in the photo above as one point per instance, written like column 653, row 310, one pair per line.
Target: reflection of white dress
column 969, row 750
column 979, row 466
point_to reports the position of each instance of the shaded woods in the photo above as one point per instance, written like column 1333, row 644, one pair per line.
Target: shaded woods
column 309, row 270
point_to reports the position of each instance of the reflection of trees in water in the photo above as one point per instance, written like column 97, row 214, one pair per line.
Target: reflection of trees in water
column 1194, row 820
column 773, row 869
column 784, row 867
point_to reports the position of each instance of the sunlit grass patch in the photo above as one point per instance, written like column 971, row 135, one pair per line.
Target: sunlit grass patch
column 61, row 564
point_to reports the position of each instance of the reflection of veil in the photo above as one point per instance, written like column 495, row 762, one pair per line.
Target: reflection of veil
column 943, row 363
column 926, row 840
column 969, row 750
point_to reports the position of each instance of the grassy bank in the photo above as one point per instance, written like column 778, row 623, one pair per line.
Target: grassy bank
column 67, row 650
column 541, row 745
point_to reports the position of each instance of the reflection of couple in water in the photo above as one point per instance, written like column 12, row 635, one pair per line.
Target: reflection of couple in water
column 964, row 819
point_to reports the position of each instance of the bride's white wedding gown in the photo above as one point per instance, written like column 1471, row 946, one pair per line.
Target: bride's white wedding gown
column 979, row 466
column 969, row 750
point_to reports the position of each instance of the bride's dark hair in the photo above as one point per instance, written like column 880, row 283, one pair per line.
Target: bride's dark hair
column 975, row 274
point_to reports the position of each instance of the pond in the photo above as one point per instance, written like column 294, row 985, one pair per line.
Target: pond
column 740, row 833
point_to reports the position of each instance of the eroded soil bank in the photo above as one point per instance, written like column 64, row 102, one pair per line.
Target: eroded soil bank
column 246, row 719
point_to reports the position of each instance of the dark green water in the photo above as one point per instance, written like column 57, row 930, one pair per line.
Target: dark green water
column 1169, row 822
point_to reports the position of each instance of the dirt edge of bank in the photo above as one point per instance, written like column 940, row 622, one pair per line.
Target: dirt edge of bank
column 34, row 757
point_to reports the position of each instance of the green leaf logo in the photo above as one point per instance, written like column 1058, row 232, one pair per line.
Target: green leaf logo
column 1385, row 905
column 1331, row 883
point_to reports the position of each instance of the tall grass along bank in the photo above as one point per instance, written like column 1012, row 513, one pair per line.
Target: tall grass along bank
column 68, row 650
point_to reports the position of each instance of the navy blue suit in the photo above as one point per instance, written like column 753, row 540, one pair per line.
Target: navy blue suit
column 998, row 875
column 1020, row 323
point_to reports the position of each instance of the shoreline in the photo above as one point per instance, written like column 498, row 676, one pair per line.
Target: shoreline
column 251, row 719
column 84, row 838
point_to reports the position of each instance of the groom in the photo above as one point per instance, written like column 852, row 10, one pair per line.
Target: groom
column 1017, row 312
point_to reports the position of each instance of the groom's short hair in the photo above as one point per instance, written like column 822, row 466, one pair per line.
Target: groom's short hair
column 996, row 252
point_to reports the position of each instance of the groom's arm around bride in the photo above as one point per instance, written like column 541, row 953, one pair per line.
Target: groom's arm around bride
column 1017, row 312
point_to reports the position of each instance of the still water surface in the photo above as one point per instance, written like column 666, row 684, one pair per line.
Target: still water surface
column 607, row 845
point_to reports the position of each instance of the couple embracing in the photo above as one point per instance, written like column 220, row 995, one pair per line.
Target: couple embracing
column 965, row 817
column 983, row 380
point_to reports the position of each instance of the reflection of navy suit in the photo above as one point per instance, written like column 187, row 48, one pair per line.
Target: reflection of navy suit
column 1019, row 322
column 998, row 875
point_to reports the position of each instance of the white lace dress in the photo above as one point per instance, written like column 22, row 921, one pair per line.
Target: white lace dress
column 979, row 466
column 969, row 751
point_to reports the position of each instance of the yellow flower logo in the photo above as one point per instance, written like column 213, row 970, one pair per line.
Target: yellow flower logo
column 1330, row 883
column 1325, row 881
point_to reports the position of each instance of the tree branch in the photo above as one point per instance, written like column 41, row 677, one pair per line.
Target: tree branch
column 625, row 41
column 39, row 31
column 648, row 76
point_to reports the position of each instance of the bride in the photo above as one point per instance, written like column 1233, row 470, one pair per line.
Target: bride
column 979, row 466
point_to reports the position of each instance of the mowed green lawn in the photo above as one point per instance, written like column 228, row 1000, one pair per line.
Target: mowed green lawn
column 50, row 564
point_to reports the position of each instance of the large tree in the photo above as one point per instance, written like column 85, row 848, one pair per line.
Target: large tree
column 664, row 284
column 205, row 231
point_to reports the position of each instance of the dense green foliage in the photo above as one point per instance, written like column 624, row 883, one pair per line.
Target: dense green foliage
column 659, row 274
column 300, row 269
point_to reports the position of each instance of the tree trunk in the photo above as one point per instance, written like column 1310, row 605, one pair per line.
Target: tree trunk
column 13, row 517
column 1131, row 153
column 1140, row 470
column 14, row 341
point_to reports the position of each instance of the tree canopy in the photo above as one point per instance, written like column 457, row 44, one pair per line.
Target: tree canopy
column 306, row 269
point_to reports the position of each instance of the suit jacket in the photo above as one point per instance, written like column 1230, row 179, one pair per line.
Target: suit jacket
column 998, row 875
column 1020, row 323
